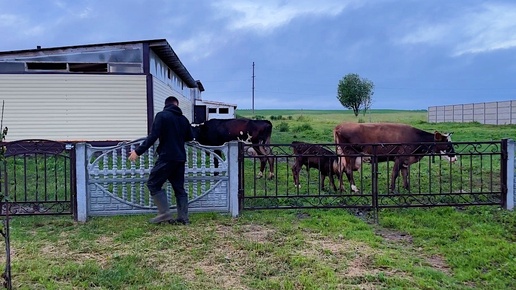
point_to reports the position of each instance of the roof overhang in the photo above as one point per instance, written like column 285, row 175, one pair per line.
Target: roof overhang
column 159, row 46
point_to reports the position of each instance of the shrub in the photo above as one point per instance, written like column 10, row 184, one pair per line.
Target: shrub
column 303, row 118
column 302, row 128
column 283, row 127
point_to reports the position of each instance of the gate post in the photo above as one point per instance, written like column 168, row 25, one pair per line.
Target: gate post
column 233, row 177
column 511, row 182
column 81, row 174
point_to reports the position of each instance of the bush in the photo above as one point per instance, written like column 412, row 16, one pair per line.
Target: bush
column 279, row 118
column 303, row 118
column 283, row 127
column 302, row 128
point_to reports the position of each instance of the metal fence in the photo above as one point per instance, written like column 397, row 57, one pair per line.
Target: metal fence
column 38, row 177
column 58, row 178
column 479, row 177
column 495, row 113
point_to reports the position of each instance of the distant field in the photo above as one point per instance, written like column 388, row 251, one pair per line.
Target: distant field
column 317, row 125
column 403, row 116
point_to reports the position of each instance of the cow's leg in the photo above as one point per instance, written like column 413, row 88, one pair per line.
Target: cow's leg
column 271, row 167
column 395, row 173
column 350, row 167
column 332, row 180
column 295, row 172
column 339, row 166
column 266, row 158
column 405, row 166
column 404, row 173
column 322, row 177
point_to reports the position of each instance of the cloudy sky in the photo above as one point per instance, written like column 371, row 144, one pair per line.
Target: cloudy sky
column 417, row 53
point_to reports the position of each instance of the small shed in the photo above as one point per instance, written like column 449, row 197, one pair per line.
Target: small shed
column 94, row 92
column 206, row 110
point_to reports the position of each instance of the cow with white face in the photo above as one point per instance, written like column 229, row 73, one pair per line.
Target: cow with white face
column 256, row 134
column 356, row 139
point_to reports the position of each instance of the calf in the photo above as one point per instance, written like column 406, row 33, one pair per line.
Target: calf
column 315, row 156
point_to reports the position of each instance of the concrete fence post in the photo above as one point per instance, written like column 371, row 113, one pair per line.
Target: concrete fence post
column 233, row 177
column 511, row 182
column 81, row 178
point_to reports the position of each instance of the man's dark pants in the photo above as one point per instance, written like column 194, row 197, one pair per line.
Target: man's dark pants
column 174, row 172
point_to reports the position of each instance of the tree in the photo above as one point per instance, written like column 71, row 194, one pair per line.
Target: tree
column 355, row 93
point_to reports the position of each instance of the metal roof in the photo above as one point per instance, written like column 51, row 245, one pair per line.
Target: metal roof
column 160, row 46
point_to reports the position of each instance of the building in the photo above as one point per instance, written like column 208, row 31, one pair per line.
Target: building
column 205, row 110
column 95, row 92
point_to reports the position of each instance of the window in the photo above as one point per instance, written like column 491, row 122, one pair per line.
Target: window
column 223, row 110
column 212, row 110
column 46, row 66
column 88, row 67
column 7, row 67
column 125, row 68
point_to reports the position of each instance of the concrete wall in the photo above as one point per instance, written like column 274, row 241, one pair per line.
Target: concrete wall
column 495, row 113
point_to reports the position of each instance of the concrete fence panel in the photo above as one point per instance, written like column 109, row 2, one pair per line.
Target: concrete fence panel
column 494, row 113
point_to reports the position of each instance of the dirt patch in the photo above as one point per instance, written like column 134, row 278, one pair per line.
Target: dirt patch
column 396, row 237
column 254, row 233
column 360, row 267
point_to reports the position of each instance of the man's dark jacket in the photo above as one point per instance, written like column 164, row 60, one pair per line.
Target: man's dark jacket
column 173, row 130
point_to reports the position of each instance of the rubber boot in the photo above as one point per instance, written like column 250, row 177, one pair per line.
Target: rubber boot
column 161, row 201
column 182, row 210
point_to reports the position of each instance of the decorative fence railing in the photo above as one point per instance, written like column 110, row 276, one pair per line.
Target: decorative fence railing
column 38, row 177
column 109, row 184
column 482, row 175
column 61, row 178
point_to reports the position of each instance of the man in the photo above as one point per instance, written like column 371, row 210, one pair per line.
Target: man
column 172, row 129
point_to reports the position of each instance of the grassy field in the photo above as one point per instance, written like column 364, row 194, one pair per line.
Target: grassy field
column 438, row 248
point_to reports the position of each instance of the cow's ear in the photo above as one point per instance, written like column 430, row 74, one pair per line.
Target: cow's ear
column 438, row 136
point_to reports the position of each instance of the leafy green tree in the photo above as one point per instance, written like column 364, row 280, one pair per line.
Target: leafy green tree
column 355, row 93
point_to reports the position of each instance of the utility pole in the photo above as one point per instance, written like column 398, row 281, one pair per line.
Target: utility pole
column 253, row 89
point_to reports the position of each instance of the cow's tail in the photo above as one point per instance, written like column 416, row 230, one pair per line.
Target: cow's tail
column 341, row 160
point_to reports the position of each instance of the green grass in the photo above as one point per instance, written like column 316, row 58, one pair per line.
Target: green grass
column 290, row 249
column 436, row 248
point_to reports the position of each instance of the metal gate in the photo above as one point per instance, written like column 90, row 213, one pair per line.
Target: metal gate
column 479, row 177
column 37, row 177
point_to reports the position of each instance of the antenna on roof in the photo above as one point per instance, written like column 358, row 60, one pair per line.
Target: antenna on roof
column 253, row 89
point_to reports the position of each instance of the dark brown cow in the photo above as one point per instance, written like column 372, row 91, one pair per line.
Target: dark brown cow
column 314, row 156
column 216, row 132
column 352, row 140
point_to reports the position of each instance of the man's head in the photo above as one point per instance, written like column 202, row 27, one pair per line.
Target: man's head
column 172, row 101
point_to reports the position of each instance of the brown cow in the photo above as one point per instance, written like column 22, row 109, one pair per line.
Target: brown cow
column 314, row 156
column 355, row 139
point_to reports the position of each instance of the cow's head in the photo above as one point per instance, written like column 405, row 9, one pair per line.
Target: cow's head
column 445, row 146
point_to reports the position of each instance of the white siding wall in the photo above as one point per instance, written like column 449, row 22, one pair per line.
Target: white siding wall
column 74, row 107
column 163, row 91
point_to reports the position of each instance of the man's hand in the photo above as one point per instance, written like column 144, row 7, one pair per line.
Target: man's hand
column 133, row 156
